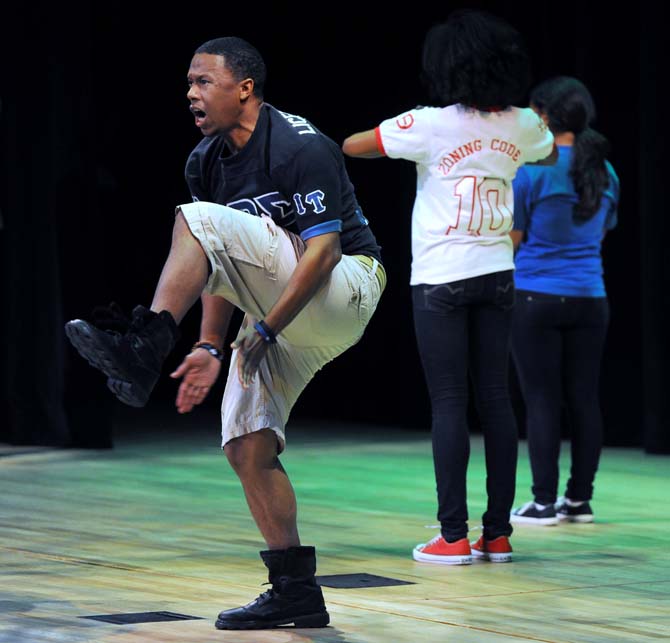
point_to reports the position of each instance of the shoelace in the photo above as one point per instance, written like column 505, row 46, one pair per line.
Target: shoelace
column 522, row 510
column 433, row 540
column 111, row 318
column 563, row 500
column 141, row 317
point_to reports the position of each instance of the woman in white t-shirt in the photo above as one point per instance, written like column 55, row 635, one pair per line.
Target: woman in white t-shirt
column 466, row 153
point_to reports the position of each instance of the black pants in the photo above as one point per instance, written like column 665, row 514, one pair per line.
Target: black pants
column 557, row 344
column 461, row 327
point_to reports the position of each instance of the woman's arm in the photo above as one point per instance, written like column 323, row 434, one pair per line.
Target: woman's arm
column 517, row 238
column 364, row 145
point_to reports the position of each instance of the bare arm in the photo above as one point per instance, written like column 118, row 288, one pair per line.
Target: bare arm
column 517, row 238
column 362, row 145
column 322, row 254
column 200, row 369
column 216, row 315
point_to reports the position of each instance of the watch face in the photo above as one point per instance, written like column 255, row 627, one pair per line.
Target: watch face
column 212, row 350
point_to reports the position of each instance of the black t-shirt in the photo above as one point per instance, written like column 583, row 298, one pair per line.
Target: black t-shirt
column 288, row 170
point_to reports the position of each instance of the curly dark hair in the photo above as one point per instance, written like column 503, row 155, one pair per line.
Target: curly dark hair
column 477, row 59
column 569, row 108
column 241, row 59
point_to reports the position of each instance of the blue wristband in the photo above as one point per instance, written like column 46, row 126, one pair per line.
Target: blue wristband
column 265, row 332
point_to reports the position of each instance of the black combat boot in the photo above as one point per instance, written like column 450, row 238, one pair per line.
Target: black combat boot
column 132, row 360
column 294, row 598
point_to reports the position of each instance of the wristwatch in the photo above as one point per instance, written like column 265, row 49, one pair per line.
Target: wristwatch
column 210, row 348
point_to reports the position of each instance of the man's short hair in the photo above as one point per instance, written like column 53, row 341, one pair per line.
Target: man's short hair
column 241, row 59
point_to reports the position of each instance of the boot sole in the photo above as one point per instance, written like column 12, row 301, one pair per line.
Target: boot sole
column 321, row 619
column 98, row 356
column 126, row 393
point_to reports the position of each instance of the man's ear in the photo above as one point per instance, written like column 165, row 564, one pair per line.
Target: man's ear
column 246, row 88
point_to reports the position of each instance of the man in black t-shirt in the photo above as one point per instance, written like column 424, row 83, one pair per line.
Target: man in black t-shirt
column 274, row 229
column 287, row 170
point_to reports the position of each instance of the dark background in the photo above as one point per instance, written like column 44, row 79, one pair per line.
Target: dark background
column 95, row 133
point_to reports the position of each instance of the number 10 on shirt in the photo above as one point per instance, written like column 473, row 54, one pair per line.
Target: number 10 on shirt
column 482, row 207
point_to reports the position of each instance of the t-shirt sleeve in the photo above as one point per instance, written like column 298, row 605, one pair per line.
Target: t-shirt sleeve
column 313, row 182
column 521, row 186
column 406, row 136
column 612, row 217
column 539, row 139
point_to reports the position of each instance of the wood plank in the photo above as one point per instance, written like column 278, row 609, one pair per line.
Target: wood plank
column 160, row 524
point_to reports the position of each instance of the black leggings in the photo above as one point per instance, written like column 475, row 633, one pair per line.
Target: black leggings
column 464, row 326
column 557, row 344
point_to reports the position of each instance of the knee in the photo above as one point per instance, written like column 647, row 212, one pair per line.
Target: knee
column 248, row 454
column 492, row 396
column 492, row 387
column 449, row 392
column 239, row 458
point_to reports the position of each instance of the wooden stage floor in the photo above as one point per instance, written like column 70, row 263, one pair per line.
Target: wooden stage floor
column 159, row 524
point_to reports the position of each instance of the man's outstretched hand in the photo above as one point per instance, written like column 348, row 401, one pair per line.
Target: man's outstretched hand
column 199, row 371
column 251, row 350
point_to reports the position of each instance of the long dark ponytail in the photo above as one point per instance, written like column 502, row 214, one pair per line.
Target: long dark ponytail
column 569, row 108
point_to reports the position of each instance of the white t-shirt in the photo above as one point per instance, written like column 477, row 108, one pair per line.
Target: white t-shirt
column 465, row 161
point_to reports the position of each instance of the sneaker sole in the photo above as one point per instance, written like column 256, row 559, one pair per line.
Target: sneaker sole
column 80, row 336
column 580, row 519
column 438, row 559
column 493, row 558
column 525, row 520
column 320, row 619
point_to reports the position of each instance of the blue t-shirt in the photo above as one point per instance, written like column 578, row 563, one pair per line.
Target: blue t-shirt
column 560, row 254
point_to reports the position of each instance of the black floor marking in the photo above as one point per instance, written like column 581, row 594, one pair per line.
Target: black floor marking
column 351, row 581
column 141, row 617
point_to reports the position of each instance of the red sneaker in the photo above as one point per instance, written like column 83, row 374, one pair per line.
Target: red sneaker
column 439, row 551
column 497, row 550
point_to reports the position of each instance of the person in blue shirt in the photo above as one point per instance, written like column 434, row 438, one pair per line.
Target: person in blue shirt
column 561, row 215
